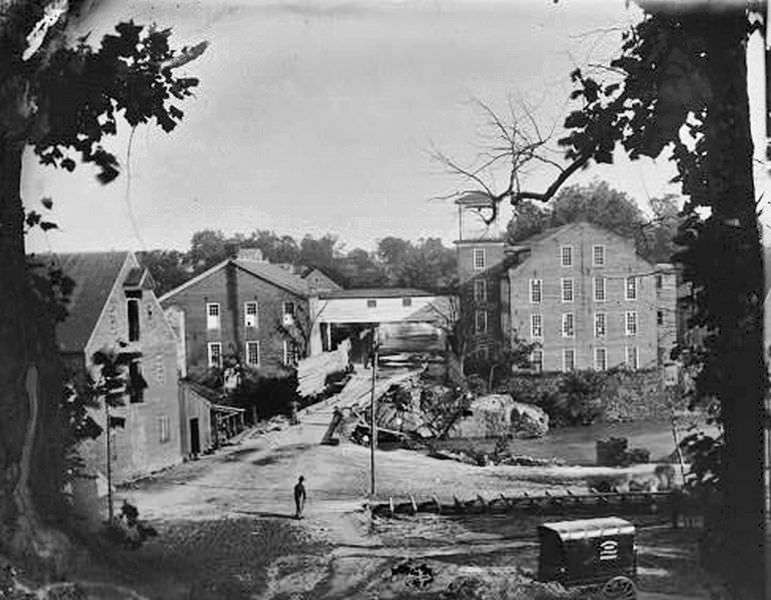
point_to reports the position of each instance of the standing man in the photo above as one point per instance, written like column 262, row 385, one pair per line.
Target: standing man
column 299, row 497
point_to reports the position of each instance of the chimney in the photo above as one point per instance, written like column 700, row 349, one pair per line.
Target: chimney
column 253, row 254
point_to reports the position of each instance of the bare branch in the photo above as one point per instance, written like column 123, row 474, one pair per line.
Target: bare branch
column 555, row 186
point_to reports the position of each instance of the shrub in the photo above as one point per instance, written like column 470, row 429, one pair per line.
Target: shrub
column 268, row 395
column 127, row 530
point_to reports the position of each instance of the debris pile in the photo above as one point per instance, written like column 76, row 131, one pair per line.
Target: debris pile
column 418, row 575
column 276, row 423
column 613, row 452
column 474, row 457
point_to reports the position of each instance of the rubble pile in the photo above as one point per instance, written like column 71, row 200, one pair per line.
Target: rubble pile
column 413, row 412
column 417, row 574
column 276, row 423
column 472, row 457
column 494, row 415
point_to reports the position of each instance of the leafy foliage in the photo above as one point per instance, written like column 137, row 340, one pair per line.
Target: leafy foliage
column 681, row 88
column 602, row 205
column 704, row 455
column 82, row 90
column 269, row 396
column 425, row 264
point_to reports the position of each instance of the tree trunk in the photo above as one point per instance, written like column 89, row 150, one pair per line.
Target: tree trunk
column 30, row 386
column 734, row 293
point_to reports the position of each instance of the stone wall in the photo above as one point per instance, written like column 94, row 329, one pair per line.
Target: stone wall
column 622, row 395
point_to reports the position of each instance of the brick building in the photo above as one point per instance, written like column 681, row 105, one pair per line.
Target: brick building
column 240, row 309
column 113, row 304
column 590, row 301
column 481, row 279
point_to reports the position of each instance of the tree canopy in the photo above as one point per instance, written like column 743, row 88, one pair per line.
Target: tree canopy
column 62, row 98
column 425, row 264
column 602, row 205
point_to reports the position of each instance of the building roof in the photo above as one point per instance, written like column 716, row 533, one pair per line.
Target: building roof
column 443, row 309
column 375, row 293
column 475, row 198
column 94, row 274
column 527, row 244
column 276, row 275
column 271, row 273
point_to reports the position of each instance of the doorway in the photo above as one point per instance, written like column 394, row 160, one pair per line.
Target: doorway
column 195, row 439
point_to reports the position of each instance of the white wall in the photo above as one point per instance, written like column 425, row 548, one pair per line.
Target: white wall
column 388, row 310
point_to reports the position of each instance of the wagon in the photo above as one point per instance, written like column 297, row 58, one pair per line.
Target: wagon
column 597, row 553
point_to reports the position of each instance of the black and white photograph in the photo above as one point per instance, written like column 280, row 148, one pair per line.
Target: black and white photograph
column 385, row 300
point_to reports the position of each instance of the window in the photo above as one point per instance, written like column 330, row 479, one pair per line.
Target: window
column 164, row 431
column 215, row 354
column 600, row 324
column 482, row 354
column 212, row 315
column 598, row 255
column 600, row 359
column 136, row 383
column 536, row 326
column 480, row 290
column 567, row 289
column 632, row 357
column 631, row 288
column 406, row 302
column 253, row 354
column 659, row 282
column 291, row 353
column 133, row 320
column 568, row 359
column 480, row 321
column 659, row 317
column 371, row 303
column 480, row 260
column 599, row 289
column 288, row 311
column 568, row 325
column 566, row 255
column 250, row 314
column 536, row 360
column 535, row 291
column 631, row 322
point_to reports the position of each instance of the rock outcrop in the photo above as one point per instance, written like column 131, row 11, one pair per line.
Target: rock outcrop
column 498, row 415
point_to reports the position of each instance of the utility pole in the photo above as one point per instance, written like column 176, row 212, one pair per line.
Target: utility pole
column 373, row 411
column 107, row 430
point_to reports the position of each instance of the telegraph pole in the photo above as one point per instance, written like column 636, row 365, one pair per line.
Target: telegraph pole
column 373, row 420
column 109, row 460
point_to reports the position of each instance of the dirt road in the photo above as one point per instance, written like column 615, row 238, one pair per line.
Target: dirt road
column 227, row 532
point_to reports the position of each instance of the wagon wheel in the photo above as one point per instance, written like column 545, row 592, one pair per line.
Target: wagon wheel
column 619, row 588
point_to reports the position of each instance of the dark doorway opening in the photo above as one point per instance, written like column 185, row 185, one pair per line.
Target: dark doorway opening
column 195, row 440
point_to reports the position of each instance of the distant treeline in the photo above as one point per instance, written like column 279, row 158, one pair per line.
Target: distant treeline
column 426, row 264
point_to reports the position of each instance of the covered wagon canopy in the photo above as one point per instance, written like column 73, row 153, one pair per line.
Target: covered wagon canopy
column 588, row 528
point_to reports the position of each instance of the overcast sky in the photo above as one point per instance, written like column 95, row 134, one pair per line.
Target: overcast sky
column 315, row 117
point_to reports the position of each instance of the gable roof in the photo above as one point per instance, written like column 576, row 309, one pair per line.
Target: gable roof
column 94, row 274
column 274, row 274
column 527, row 244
